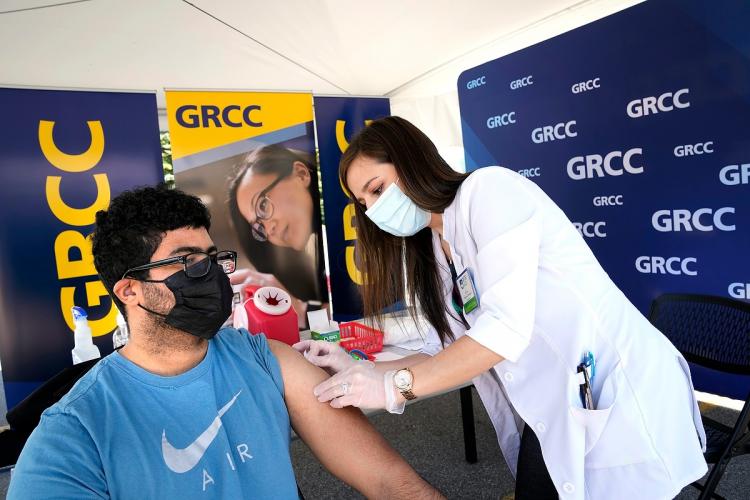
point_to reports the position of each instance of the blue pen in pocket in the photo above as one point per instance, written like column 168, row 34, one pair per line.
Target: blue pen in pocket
column 590, row 364
column 587, row 370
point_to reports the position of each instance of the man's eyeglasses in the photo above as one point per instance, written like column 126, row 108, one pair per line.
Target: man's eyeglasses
column 263, row 211
column 196, row 264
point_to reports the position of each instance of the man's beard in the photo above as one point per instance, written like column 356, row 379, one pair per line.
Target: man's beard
column 158, row 335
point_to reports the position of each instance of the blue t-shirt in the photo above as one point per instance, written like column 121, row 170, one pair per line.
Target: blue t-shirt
column 219, row 430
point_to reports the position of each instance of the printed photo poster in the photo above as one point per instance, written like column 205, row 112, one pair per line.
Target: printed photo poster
column 63, row 156
column 250, row 156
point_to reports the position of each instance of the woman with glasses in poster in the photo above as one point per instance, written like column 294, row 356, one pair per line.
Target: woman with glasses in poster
column 274, row 204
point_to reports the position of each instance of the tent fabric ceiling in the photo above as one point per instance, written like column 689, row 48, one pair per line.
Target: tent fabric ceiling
column 409, row 50
column 328, row 47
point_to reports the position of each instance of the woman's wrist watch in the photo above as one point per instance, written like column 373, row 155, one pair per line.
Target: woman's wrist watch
column 403, row 379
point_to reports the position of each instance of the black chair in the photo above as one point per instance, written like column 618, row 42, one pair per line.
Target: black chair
column 713, row 332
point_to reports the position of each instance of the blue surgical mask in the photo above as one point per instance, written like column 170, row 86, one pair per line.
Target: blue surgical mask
column 396, row 214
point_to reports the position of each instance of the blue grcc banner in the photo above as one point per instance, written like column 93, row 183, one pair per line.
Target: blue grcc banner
column 637, row 125
column 336, row 120
column 63, row 156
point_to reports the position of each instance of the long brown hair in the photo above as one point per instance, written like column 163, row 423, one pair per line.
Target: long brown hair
column 430, row 183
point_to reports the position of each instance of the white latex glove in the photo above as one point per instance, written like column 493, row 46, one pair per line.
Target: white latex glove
column 361, row 386
column 327, row 355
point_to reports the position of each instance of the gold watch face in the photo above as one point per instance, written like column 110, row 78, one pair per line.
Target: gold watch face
column 403, row 379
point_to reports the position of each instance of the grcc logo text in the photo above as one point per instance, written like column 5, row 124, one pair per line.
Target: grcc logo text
column 659, row 265
column 739, row 290
column 590, row 166
column 591, row 229
column 191, row 116
column 667, row 221
column 694, row 149
column 577, row 88
column 732, row 175
column 477, row 82
column 530, row 172
column 608, row 201
column 521, row 82
column 552, row 132
column 501, row 120
column 652, row 105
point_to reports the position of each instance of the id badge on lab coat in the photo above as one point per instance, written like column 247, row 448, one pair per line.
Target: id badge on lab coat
column 468, row 292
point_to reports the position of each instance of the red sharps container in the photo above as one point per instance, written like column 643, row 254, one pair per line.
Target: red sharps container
column 268, row 310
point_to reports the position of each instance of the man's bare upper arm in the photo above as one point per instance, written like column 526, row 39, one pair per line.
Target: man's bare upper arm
column 338, row 437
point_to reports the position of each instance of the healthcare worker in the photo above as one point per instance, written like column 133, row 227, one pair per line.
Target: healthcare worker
column 587, row 398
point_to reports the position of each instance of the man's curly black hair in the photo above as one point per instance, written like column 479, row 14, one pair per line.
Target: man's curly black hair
column 128, row 233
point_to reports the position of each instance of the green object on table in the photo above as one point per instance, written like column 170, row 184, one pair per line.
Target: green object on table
column 332, row 336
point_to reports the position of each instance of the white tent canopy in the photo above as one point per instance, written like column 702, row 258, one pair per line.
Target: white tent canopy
column 411, row 51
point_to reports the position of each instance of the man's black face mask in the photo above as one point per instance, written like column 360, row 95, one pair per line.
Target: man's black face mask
column 202, row 304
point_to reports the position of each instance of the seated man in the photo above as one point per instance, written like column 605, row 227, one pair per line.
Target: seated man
column 186, row 410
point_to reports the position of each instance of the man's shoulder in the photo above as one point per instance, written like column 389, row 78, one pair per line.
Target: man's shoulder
column 233, row 345
column 234, row 338
column 86, row 391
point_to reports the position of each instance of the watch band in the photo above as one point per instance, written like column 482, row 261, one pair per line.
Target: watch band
column 408, row 394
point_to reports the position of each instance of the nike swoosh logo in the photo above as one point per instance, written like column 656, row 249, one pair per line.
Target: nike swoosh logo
column 182, row 460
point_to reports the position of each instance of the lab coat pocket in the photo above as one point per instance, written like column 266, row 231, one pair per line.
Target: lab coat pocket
column 616, row 434
column 594, row 421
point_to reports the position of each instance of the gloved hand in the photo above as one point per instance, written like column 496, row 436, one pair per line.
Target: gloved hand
column 327, row 355
column 362, row 386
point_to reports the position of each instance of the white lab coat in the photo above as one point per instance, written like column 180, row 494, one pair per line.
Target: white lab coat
column 545, row 300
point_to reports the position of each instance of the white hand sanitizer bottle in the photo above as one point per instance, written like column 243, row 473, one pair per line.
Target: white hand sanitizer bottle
column 121, row 334
column 84, row 349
